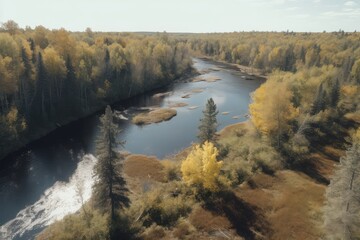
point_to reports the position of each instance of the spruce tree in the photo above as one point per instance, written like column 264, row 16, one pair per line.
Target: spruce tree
column 208, row 123
column 109, row 191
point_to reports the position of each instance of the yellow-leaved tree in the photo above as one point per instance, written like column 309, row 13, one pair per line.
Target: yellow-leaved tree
column 272, row 109
column 201, row 167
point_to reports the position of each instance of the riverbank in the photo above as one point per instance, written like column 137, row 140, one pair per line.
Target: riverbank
column 250, row 71
column 264, row 206
column 277, row 206
column 31, row 137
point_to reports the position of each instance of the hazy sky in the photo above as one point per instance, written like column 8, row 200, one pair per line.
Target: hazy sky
column 185, row 15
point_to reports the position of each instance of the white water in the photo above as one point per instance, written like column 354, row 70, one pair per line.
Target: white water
column 58, row 201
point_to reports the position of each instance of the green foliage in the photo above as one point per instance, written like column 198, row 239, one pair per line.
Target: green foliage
column 109, row 191
column 208, row 123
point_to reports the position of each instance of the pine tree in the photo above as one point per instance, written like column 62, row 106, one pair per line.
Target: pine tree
column 208, row 123
column 109, row 191
column 342, row 210
column 335, row 93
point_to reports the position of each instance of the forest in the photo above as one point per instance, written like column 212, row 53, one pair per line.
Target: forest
column 51, row 77
column 309, row 103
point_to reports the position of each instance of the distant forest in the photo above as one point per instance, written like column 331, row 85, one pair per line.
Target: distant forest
column 51, row 77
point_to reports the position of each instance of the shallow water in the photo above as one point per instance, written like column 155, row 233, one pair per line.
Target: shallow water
column 41, row 184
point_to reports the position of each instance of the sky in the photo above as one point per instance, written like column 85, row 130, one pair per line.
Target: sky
column 185, row 15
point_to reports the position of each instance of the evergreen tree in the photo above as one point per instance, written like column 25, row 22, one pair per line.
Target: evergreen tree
column 109, row 191
column 39, row 102
column 208, row 123
column 335, row 93
column 71, row 100
column 342, row 210
column 24, row 83
column 320, row 101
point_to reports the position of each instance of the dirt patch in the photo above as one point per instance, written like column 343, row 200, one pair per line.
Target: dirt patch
column 154, row 116
column 144, row 168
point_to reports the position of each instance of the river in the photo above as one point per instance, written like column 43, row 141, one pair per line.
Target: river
column 39, row 185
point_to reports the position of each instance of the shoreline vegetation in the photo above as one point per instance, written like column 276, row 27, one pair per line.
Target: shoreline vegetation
column 268, row 178
column 154, row 116
column 51, row 78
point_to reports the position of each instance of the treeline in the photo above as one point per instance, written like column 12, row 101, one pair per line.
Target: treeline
column 283, row 51
column 313, row 79
column 50, row 77
column 310, row 99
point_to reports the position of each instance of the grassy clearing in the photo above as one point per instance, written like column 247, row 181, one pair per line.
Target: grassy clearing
column 154, row 116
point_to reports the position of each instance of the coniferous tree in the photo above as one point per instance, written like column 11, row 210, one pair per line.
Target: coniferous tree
column 342, row 210
column 39, row 102
column 335, row 93
column 320, row 101
column 208, row 123
column 109, row 191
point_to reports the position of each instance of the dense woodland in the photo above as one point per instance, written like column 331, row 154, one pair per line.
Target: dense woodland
column 311, row 98
column 50, row 77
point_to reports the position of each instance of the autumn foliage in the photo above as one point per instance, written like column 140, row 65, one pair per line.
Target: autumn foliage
column 201, row 167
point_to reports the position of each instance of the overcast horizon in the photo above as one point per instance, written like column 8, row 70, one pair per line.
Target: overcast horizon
column 194, row 16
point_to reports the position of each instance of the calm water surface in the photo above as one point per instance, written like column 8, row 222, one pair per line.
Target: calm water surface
column 41, row 184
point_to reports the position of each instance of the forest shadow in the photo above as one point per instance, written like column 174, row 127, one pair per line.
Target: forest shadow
column 245, row 218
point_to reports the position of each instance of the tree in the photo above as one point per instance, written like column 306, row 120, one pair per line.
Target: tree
column 11, row 27
column 109, row 191
column 201, row 167
column 342, row 209
column 334, row 93
column 320, row 101
column 40, row 100
column 208, row 123
column 272, row 108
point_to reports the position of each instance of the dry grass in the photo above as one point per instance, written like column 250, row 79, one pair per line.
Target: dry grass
column 144, row 168
column 232, row 129
column 291, row 202
column 154, row 116
column 207, row 221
